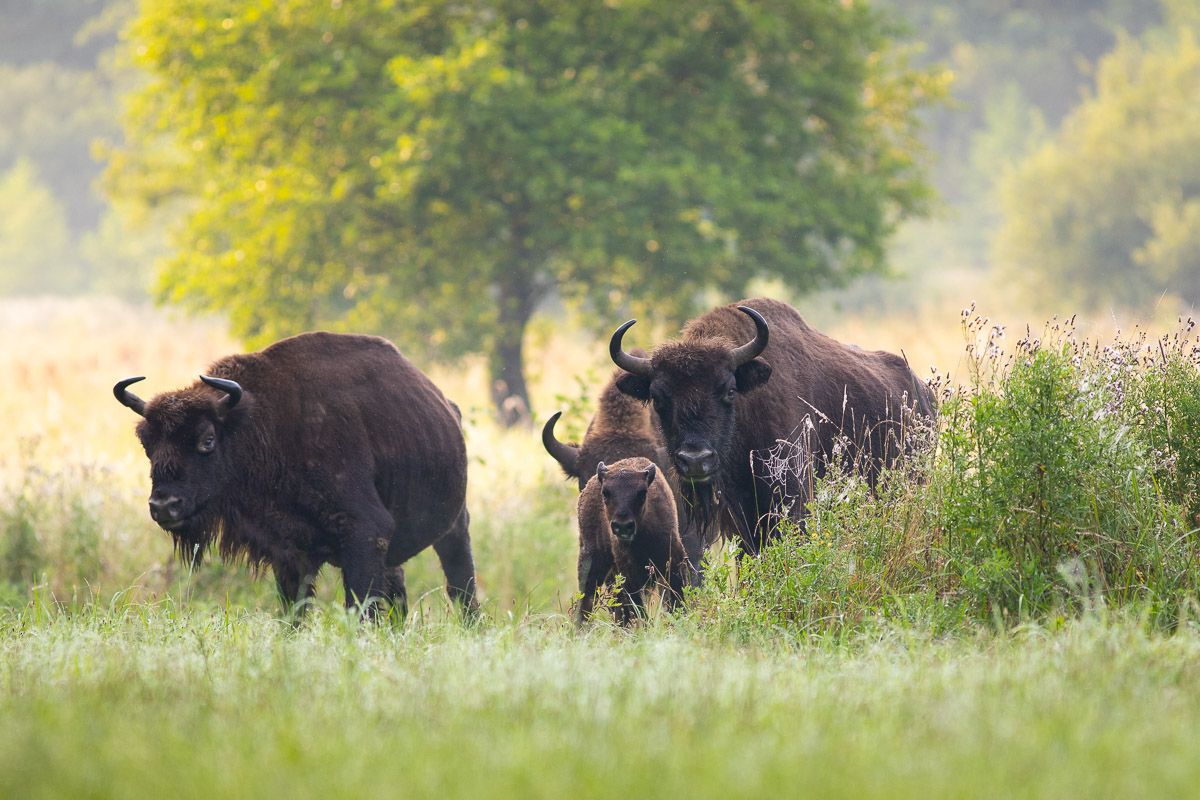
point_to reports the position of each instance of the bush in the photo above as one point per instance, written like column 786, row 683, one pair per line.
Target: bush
column 1163, row 405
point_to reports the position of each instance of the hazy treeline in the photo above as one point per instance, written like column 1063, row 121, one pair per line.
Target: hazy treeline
column 1030, row 84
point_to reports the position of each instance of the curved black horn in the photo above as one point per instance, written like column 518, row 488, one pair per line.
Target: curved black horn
column 752, row 348
column 129, row 399
column 566, row 455
column 633, row 364
column 231, row 388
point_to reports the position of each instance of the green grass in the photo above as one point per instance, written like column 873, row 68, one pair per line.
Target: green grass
column 156, row 700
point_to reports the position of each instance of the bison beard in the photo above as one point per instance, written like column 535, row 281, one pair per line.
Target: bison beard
column 744, row 378
column 323, row 448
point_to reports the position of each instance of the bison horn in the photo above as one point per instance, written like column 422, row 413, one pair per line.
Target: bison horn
column 751, row 350
column 627, row 362
column 232, row 388
column 565, row 454
column 128, row 398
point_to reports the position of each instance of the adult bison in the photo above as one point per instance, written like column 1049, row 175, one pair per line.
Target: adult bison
column 322, row 448
column 750, row 398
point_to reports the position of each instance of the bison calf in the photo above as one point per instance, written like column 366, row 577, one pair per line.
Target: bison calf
column 323, row 448
column 628, row 526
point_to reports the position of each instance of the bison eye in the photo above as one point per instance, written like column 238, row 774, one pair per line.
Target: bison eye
column 730, row 394
column 207, row 443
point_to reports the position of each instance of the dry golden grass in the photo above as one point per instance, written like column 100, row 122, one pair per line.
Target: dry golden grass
column 61, row 358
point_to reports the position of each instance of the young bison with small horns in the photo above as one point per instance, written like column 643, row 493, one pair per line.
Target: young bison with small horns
column 744, row 378
column 322, row 448
column 628, row 527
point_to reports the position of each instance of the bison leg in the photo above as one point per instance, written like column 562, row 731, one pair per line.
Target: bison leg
column 296, row 584
column 454, row 551
column 365, row 576
column 631, row 604
column 397, row 591
column 677, row 577
column 694, row 546
column 594, row 570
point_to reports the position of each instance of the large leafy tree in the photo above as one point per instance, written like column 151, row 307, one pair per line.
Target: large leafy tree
column 436, row 170
column 1110, row 209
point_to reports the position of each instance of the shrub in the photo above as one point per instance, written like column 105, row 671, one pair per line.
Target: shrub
column 1045, row 490
column 1162, row 403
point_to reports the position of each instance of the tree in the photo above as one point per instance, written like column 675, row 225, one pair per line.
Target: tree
column 436, row 170
column 1015, row 67
column 1109, row 210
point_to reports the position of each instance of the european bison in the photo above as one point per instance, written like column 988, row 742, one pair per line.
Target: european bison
column 628, row 526
column 751, row 380
column 322, row 448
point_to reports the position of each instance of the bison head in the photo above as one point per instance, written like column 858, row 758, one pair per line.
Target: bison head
column 186, row 437
column 694, row 384
column 624, row 493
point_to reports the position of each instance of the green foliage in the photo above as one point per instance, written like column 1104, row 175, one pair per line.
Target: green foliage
column 58, row 97
column 122, row 249
column 1163, row 405
column 51, row 115
column 435, row 170
column 1015, row 69
column 1047, row 492
column 48, row 527
column 1108, row 210
column 35, row 246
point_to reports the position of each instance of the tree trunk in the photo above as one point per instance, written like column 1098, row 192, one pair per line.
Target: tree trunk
column 517, row 299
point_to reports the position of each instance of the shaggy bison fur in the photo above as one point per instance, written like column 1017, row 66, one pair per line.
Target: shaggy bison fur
column 751, row 401
column 322, row 448
column 628, row 526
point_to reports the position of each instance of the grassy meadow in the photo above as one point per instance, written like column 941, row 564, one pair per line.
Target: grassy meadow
column 1013, row 614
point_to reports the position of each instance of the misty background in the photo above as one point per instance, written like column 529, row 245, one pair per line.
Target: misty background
column 1063, row 155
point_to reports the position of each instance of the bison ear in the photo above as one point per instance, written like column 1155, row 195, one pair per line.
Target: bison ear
column 751, row 375
column 636, row 386
column 650, row 472
column 601, row 471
